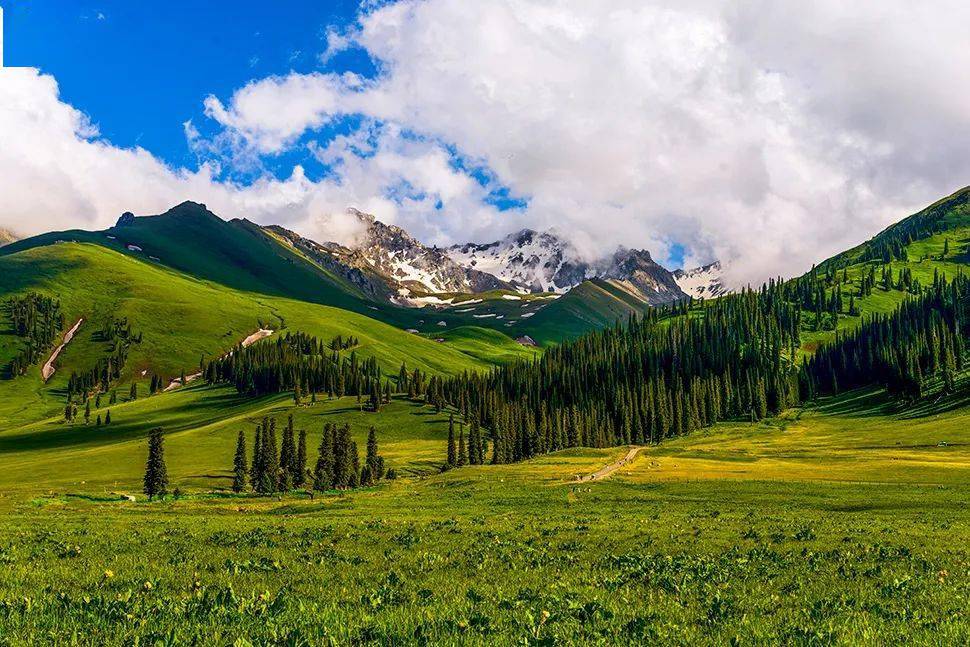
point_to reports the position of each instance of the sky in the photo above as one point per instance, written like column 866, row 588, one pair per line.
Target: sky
column 769, row 135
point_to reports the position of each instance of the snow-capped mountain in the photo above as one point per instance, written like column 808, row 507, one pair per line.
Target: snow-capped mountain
column 706, row 281
column 387, row 262
column 531, row 261
column 534, row 261
column 388, row 255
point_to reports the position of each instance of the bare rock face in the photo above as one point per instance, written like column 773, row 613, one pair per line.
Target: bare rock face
column 654, row 283
column 126, row 219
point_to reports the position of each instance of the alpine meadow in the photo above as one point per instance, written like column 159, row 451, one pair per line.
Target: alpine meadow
column 310, row 412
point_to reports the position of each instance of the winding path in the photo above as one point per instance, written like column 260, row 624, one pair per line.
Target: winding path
column 262, row 333
column 606, row 470
column 49, row 369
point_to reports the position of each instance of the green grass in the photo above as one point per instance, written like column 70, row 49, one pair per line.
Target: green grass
column 486, row 344
column 201, row 425
column 521, row 553
column 182, row 320
column 842, row 523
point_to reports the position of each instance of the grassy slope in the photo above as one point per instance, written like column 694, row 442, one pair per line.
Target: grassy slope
column 201, row 426
column 775, row 554
column 242, row 256
column 486, row 344
column 181, row 318
column 236, row 254
column 589, row 306
column 925, row 258
column 857, row 437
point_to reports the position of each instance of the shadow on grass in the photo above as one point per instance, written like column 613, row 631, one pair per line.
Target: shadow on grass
column 195, row 414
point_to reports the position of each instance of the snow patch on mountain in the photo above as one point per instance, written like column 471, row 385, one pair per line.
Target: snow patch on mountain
column 530, row 261
column 706, row 281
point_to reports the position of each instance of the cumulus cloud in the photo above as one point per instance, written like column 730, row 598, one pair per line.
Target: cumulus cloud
column 766, row 134
column 769, row 134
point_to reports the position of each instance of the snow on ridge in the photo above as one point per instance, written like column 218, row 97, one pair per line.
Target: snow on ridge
column 706, row 281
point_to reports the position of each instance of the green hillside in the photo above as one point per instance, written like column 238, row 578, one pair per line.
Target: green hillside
column 932, row 242
column 243, row 256
column 181, row 319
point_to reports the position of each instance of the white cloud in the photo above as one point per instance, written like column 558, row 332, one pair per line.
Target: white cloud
column 770, row 134
column 56, row 173
column 766, row 134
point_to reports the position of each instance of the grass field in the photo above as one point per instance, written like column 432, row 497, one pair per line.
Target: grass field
column 844, row 524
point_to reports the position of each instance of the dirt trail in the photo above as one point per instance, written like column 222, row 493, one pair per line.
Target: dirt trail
column 605, row 471
column 48, row 368
column 256, row 336
column 262, row 333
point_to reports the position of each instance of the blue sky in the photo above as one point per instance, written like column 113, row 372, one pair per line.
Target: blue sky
column 141, row 69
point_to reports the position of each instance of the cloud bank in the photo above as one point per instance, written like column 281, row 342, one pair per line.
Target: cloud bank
column 766, row 134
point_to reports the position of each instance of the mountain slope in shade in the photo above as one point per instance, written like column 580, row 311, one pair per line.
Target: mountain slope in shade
column 705, row 282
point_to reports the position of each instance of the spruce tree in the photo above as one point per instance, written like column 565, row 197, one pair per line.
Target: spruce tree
column 270, row 477
column 156, row 474
column 299, row 466
column 239, row 464
column 323, row 472
column 452, row 448
column 462, row 450
column 374, row 463
column 287, row 458
column 256, row 471
column 133, row 392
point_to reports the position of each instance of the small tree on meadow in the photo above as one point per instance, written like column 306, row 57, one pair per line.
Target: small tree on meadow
column 239, row 467
column 299, row 466
column 156, row 473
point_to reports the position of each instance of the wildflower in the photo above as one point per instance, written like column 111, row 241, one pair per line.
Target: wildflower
column 108, row 574
column 147, row 586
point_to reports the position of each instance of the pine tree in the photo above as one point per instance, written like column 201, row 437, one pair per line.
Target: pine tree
column 107, row 417
column 256, row 471
column 133, row 392
column 156, row 474
column 87, row 412
column 270, row 477
column 452, row 449
column 239, row 464
column 299, row 466
column 287, row 458
column 374, row 462
column 462, row 450
column 323, row 472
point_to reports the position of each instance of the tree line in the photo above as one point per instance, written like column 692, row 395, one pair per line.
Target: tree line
column 278, row 467
column 655, row 377
column 922, row 338
column 118, row 336
column 39, row 320
column 303, row 364
column 283, row 467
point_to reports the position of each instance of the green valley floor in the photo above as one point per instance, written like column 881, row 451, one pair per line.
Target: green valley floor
column 847, row 523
